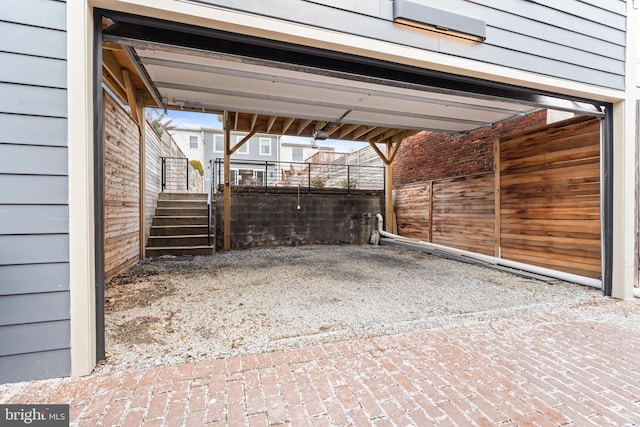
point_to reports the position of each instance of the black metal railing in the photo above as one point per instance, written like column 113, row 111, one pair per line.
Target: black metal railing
column 210, row 191
column 309, row 176
column 175, row 174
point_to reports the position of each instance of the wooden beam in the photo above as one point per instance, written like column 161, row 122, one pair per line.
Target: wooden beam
column 347, row 130
column 388, row 193
column 287, row 124
column 302, row 125
column 394, row 150
column 131, row 96
column 113, row 86
column 236, row 116
column 361, row 131
column 376, row 132
column 243, row 141
column 254, row 119
column 110, row 63
column 379, row 153
column 227, row 185
column 270, row 122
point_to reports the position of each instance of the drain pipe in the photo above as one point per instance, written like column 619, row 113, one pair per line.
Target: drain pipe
column 487, row 259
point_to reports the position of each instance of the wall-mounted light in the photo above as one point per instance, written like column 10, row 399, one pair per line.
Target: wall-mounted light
column 428, row 18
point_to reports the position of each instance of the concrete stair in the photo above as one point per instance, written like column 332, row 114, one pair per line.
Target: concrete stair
column 179, row 226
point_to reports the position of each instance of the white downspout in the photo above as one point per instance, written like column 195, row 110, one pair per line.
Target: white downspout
column 561, row 275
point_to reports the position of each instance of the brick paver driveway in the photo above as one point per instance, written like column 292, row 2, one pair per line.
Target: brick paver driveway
column 578, row 366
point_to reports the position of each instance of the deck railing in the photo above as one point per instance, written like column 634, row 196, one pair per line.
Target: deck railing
column 305, row 175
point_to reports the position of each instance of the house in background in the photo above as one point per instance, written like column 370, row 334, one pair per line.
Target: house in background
column 190, row 141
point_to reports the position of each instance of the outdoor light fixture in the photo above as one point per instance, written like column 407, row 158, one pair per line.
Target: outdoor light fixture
column 320, row 134
column 428, row 18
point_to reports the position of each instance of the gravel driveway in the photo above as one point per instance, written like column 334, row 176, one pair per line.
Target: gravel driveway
column 177, row 309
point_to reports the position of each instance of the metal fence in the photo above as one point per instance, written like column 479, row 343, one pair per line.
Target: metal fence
column 308, row 176
column 179, row 176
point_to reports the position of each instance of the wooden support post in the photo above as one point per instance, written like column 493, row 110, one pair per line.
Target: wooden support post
column 388, row 193
column 227, row 183
column 142, row 123
column 497, row 210
column 430, row 187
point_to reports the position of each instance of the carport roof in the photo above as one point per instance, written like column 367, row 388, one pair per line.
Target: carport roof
column 276, row 97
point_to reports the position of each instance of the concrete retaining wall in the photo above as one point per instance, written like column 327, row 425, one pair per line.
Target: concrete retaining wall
column 260, row 220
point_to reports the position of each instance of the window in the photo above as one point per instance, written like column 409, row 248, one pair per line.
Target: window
column 297, row 154
column 245, row 148
column 218, row 143
column 258, row 176
column 193, row 142
column 265, row 146
column 234, row 177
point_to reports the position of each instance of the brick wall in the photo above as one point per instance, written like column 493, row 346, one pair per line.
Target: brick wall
column 260, row 220
column 432, row 155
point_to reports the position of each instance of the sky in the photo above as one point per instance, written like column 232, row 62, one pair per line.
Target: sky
column 191, row 120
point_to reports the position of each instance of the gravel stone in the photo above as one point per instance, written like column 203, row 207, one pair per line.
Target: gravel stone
column 170, row 310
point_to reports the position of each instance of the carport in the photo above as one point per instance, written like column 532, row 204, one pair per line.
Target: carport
column 269, row 86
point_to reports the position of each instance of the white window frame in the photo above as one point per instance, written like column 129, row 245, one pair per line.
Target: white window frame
column 194, row 139
column 293, row 152
column 264, row 176
column 245, row 147
column 233, row 172
column 215, row 137
column 262, row 140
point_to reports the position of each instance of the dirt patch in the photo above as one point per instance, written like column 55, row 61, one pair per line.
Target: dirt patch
column 171, row 310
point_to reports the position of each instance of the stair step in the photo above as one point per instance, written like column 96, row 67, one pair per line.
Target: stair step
column 202, row 211
column 179, row 230
column 180, row 251
column 182, row 196
column 178, row 241
column 180, row 220
column 182, row 204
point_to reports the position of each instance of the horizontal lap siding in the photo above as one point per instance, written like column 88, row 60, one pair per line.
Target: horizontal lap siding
column 550, row 197
column 34, row 211
column 576, row 40
column 121, row 189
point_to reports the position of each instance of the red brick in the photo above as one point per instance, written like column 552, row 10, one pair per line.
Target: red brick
column 197, row 399
column 158, row 406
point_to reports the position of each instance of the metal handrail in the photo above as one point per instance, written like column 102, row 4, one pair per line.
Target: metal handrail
column 209, row 205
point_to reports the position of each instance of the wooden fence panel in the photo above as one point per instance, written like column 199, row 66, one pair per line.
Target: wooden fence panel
column 121, row 192
column 550, row 197
column 464, row 213
column 413, row 210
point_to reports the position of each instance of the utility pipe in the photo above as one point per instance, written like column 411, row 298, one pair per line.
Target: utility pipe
column 561, row 275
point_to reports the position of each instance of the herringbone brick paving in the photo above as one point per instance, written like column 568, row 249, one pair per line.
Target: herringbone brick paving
column 578, row 366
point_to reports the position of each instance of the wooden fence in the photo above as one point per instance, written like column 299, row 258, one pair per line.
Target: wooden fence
column 121, row 148
column 121, row 143
column 547, row 183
